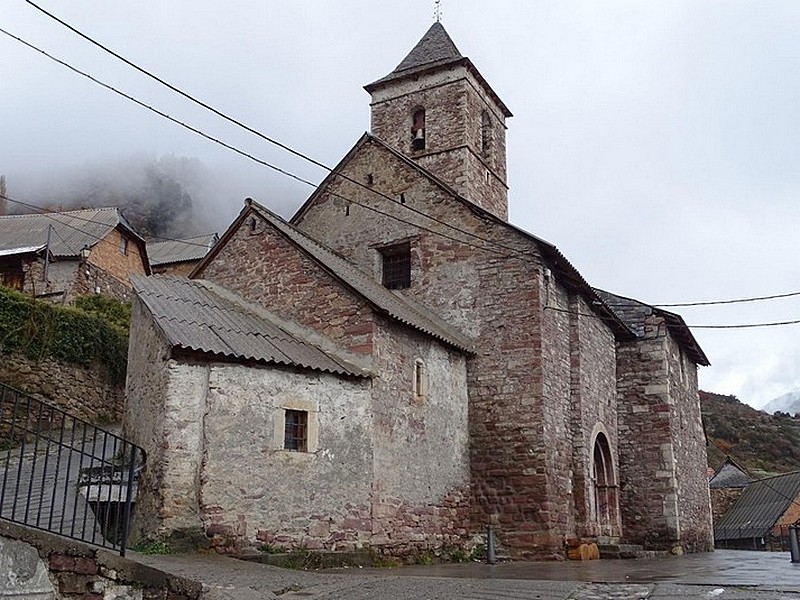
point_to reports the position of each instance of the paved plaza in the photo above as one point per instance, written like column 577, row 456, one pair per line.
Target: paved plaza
column 723, row 575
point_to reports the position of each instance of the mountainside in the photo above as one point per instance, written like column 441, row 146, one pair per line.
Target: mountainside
column 762, row 443
column 788, row 403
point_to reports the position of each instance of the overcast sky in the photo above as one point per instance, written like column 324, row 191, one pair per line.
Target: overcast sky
column 657, row 144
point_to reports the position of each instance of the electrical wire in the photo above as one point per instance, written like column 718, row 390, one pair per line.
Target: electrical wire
column 52, row 213
column 321, row 165
column 515, row 252
column 254, row 131
column 734, row 301
column 736, row 326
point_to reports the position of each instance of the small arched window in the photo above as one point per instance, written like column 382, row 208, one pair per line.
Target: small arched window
column 418, row 130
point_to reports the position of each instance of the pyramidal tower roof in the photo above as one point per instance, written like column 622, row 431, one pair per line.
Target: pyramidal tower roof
column 436, row 49
column 435, row 46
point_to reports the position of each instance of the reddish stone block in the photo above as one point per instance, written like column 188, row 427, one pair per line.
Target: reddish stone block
column 61, row 562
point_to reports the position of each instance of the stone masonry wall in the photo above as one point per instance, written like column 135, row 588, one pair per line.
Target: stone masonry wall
column 593, row 411
column 689, row 442
column 40, row 566
column 664, row 490
column 253, row 491
column 145, row 416
column 68, row 279
column 107, row 255
column 263, row 267
column 520, row 451
column 722, row 499
column 86, row 393
column 421, row 445
column 647, row 458
column 454, row 102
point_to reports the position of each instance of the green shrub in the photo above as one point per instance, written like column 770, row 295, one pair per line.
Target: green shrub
column 41, row 330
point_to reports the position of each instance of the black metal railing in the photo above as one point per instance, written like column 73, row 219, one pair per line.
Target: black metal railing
column 64, row 475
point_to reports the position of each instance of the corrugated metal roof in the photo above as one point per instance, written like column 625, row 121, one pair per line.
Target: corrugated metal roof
column 71, row 230
column 759, row 507
column 730, row 475
column 401, row 308
column 21, row 250
column 196, row 315
column 184, row 250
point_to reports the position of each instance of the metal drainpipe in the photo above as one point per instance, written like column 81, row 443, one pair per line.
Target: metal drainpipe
column 794, row 545
column 491, row 556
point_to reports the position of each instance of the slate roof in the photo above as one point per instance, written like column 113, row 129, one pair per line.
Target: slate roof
column 759, row 507
column 198, row 316
column 400, row 308
column 435, row 50
column 730, row 475
column 435, row 46
column 71, row 230
column 169, row 252
column 634, row 314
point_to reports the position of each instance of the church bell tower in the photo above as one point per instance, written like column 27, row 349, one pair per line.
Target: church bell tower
column 436, row 108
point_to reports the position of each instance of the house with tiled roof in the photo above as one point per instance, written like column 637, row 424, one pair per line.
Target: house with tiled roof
column 499, row 388
column 61, row 255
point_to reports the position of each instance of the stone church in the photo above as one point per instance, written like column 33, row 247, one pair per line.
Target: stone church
column 398, row 366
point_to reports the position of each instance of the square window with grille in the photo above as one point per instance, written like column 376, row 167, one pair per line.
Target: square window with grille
column 396, row 266
column 296, row 431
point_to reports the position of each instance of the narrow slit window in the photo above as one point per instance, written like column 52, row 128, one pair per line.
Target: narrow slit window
column 123, row 245
column 296, row 431
column 420, row 379
column 396, row 266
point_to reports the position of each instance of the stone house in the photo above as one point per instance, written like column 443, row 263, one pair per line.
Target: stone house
column 503, row 388
column 66, row 254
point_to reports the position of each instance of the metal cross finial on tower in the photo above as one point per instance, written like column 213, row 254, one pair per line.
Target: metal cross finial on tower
column 437, row 10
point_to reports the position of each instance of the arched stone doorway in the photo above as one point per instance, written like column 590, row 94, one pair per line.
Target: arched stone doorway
column 606, row 501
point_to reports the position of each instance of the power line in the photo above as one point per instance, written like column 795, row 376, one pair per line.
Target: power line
column 47, row 212
column 736, row 326
column 747, row 325
column 261, row 135
column 734, row 301
column 317, row 163
column 201, row 133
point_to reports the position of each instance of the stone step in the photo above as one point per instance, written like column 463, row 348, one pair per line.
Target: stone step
column 621, row 551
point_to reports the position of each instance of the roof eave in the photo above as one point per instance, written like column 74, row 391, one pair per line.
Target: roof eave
column 412, row 73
